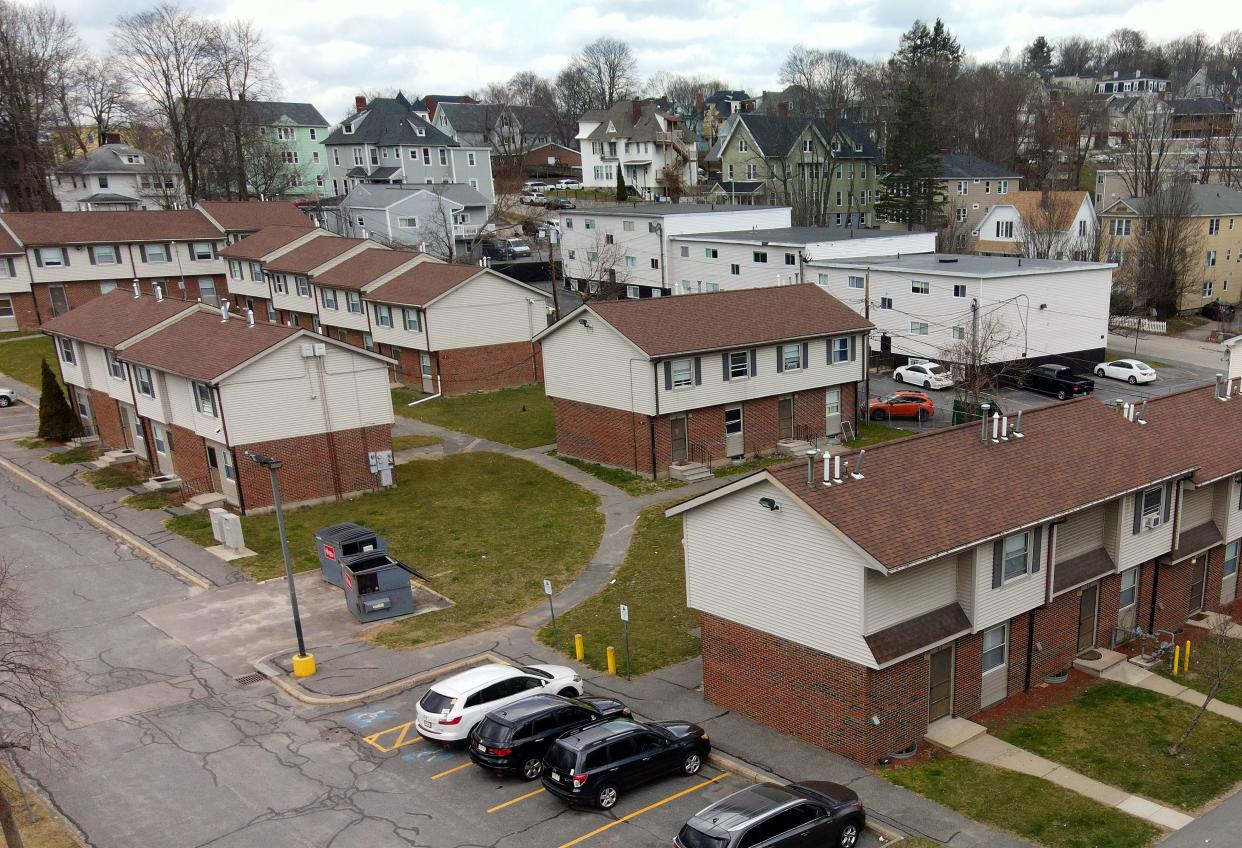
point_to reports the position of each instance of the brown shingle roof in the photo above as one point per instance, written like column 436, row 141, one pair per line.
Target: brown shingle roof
column 51, row 228
column 919, row 632
column 1196, row 540
column 363, row 268
column 7, row 245
column 114, row 317
column 422, row 283
column 982, row 490
column 304, row 258
column 202, row 347
column 686, row 323
column 1183, row 421
column 1080, row 569
column 235, row 215
column 264, row 242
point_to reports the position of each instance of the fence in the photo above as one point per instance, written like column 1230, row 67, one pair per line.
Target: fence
column 1131, row 322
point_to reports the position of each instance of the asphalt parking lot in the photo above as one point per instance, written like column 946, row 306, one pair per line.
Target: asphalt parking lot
column 18, row 420
column 451, row 801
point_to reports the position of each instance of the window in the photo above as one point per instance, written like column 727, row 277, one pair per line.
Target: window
column 303, row 286
column 682, row 373
column 994, row 644
column 204, row 400
column 1153, row 501
column 742, row 146
column 368, row 342
column 707, row 287
column 1002, row 186
column 739, row 365
column 426, row 155
column 290, row 157
column 280, row 284
column 271, row 312
column 655, row 264
column 791, row 259
column 685, row 251
column 235, row 270
column 443, row 155
column 285, row 133
column 470, row 160
column 752, row 171
column 207, row 291
column 917, row 328
column 653, row 226
column 886, row 303
column 840, row 350
column 807, row 146
column 407, row 223
column 1004, row 229
column 854, row 282
column 631, row 262
column 115, row 368
column 1230, row 567
column 256, row 272
column 1129, row 585
column 987, row 186
column 328, row 298
column 353, row 301
column 920, row 287
column 1207, row 289
column 1016, row 556
column 735, row 269
column 51, row 257
column 587, row 224
column 627, row 226
column 609, row 238
column 153, row 252
column 1213, row 226
column 838, row 197
column 960, row 214
column 1119, row 227
column 959, row 290
column 1211, row 258
column 711, row 253
column 823, row 279
column 760, row 256
column 66, row 351
column 104, row 254
column 383, row 315
column 959, row 333
column 791, row 357
column 144, row 381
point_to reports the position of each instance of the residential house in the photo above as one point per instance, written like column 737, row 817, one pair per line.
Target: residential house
column 249, row 288
column 971, row 187
column 553, row 161
column 191, row 391
column 1215, row 236
column 288, row 274
column 1116, row 81
column 16, row 302
column 641, row 139
column 117, row 177
column 884, row 622
column 669, row 386
column 823, row 166
column 927, row 306
column 1201, row 118
column 390, row 141
column 508, row 130
column 1039, row 225
column 238, row 219
column 717, row 107
column 627, row 247
column 443, row 219
column 297, row 131
column 427, row 103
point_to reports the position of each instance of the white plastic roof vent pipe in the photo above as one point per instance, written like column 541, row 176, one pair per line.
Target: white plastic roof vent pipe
column 137, row 290
column 857, row 475
column 836, row 469
column 224, row 312
column 1141, row 418
column 827, row 469
column 159, row 292
column 249, row 317
column 1017, row 427
column 1220, row 379
column 1004, row 433
column 983, row 421
column 995, row 428
column 810, row 468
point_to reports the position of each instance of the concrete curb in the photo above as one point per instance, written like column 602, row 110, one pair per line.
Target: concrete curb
column 289, row 686
column 148, row 551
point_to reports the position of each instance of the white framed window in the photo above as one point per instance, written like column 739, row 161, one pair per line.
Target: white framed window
column 1129, row 587
column 841, row 350
column 684, row 251
column 1016, row 557
column 854, row 282
column 631, row 292
column 368, row 341
column 313, row 134
column 280, row 284
column 920, row 287
column 115, row 368
column 161, row 445
column 410, row 317
column 886, row 303
column 207, row 291
column 1153, row 502
column 235, row 270
column 958, row 333
column 286, row 133
column 1004, row 229
column 443, row 155
column 960, row 214
column 256, row 272
column 353, row 302
column 1211, row 258
column 318, row 180
column 587, row 224
column 154, row 252
column 963, row 187
column 67, row 353
column 106, row 286
column 289, row 157
column 328, row 298
column 735, row 269
column 303, row 286
column 655, row 263
column 807, row 146
column 383, row 314
column 917, row 328
column 791, row 259
column 791, row 357
column 742, row 146
column 51, row 257
column 759, row 256
column 682, row 373
column 627, row 226
column 1230, row 566
column 144, row 382
column 470, row 159
column 609, row 238
column 1119, row 227
column 959, row 289
column 823, row 278
column 631, row 262
column 739, row 365
column 202, row 251
column 711, row 253
column 227, row 469
column 271, row 311
column 1002, row 186
column 995, row 645
column 1207, row 289
column 104, row 254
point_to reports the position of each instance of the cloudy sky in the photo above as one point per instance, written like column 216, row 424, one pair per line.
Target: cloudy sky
column 326, row 50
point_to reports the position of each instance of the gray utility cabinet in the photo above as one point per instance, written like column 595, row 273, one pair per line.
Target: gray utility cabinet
column 378, row 587
column 343, row 543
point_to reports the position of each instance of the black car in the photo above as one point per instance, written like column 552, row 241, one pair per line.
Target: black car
column 514, row 739
column 813, row 812
column 1057, row 380
column 595, row 765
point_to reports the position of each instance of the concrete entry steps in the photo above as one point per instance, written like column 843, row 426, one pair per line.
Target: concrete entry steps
column 953, row 732
column 1088, row 663
column 690, row 472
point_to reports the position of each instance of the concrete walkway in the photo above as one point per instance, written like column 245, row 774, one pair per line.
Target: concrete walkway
column 1132, row 675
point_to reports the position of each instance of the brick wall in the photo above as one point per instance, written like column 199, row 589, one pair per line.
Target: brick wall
column 189, row 454
column 1172, row 596
column 602, row 434
column 473, row 369
column 82, row 291
column 967, row 674
column 24, row 310
column 1216, row 566
column 323, row 465
column 108, row 425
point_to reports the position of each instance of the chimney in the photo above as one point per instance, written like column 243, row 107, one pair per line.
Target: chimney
column 249, row 317
column 830, row 118
column 636, row 110
column 698, row 103
column 1017, row 427
column 224, row 312
column 983, row 417
column 137, row 290
column 159, row 292
column 782, row 110
column 360, row 103
column 1116, row 74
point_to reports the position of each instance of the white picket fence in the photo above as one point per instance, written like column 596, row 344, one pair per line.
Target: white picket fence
column 1130, row 322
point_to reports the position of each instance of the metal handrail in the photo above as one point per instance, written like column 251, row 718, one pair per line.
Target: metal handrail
column 698, row 452
column 198, row 485
column 807, row 433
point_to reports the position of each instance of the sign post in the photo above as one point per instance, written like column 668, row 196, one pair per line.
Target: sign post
column 625, row 622
column 547, row 590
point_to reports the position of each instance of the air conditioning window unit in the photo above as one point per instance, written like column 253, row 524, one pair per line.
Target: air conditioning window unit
column 1151, row 522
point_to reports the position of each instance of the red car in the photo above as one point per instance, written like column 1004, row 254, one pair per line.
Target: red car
column 901, row 405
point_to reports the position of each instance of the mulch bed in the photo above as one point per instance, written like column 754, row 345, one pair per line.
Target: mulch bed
column 1041, row 697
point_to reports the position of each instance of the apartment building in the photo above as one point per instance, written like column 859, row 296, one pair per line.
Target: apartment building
column 444, row 218
column 971, row 187
column 117, row 178
column 295, row 131
column 508, row 130
column 189, row 390
column 1039, row 225
column 639, row 139
column 879, row 624
column 238, row 219
column 670, row 386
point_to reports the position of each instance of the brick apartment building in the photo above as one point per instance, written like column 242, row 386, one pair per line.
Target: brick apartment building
column 665, row 386
column 860, row 625
column 190, row 390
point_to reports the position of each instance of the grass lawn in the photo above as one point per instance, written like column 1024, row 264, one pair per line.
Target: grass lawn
column 728, row 469
column 1182, row 323
column 19, row 334
column 115, row 476
column 521, row 417
column 1192, row 678
column 626, row 481
column 414, row 440
column 81, row 453
column 46, row 831
column 156, row 500
column 652, row 582
column 919, row 842
column 485, row 528
column 1120, row 735
column 1045, row 814
column 21, row 360
column 872, row 433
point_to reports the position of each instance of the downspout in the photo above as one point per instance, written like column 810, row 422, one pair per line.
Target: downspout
column 329, row 433
column 655, row 385
column 1030, row 649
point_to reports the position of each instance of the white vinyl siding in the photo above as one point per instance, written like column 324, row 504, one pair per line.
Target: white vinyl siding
column 599, row 366
column 1133, row 548
column 1225, row 508
column 1196, row 507
column 1015, row 596
column 1082, row 532
column 486, row 310
column 899, row 597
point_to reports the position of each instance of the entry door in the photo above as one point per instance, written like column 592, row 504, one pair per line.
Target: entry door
column 134, row 425
column 677, row 437
column 735, row 441
column 1198, row 584
column 1127, row 608
column 424, row 365
column 163, row 449
column 784, row 417
column 832, row 412
column 60, row 301
column 1229, row 578
column 995, row 683
column 940, row 684
column 1087, row 607
column 213, row 463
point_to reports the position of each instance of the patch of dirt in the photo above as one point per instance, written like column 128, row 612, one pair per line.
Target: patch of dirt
column 1041, row 697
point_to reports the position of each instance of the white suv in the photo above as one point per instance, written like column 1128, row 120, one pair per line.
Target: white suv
column 454, row 705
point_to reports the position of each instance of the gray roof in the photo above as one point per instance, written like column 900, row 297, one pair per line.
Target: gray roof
column 739, row 186
column 270, row 113
column 109, row 159
column 383, row 173
column 1200, row 106
column 776, row 136
column 620, row 116
column 661, row 209
column 1209, row 199
column 794, row 235
column 960, row 166
column 481, row 117
column 382, row 196
column 389, row 121
column 958, row 264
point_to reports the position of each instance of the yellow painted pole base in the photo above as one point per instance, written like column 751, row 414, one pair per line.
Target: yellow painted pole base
column 579, row 648
column 612, row 660
column 303, row 665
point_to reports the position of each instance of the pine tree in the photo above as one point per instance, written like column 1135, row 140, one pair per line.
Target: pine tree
column 621, row 196
column 1037, row 57
column 909, row 192
column 57, row 421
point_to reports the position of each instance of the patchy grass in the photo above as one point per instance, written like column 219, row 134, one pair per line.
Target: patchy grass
column 652, row 582
column 872, row 433
column 36, row 444
column 19, row 334
column 156, row 500
column 728, row 469
column 22, row 360
column 1182, row 323
column 81, row 453
column 1029, row 806
column 45, row 831
column 1121, row 354
column 521, row 417
column 919, row 842
column 115, row 476
column 485, row 528
column 1200, row 657
column 626, row 481
column 415, row 440
column 1121, row 735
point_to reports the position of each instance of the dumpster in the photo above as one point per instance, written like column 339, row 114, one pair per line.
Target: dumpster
column 378, row 587
column 342, row 543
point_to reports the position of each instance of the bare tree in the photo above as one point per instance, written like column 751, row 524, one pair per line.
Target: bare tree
column 1074, row 55
column 244, row 75
column 979, row 359
column 1146, row 160
column 610, row 69
column 604, row 268
column 99, row 96
column 1126, row 48
column 681, row 91
column 1167, row 250
column 1219, row 667
column 829, row 76
column 1047, row 229
column 267, row 170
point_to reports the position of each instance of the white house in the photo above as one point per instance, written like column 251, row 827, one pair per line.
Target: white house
column 640, row 139
column 441, row 218
column 1041, row 225
column 117, row 177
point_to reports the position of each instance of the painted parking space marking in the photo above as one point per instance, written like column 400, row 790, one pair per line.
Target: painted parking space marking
column 513, row 801
column 428, row 755
column 453, row 770
column 645, row 809
column 393, row 738
column 369, row 718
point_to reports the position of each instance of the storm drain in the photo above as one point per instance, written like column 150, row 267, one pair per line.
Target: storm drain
column 247, row 679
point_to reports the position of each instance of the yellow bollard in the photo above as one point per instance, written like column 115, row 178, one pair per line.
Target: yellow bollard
column 579, row 650
column 612, row 661
column 303, row 665
column 1177, row 658
column 1186, row 659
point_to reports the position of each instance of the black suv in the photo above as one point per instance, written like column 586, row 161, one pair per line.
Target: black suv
column 595, row 764
column 514, row 739
column 813, row 812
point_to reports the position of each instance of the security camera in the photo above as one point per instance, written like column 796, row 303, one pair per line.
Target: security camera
column 769, row 503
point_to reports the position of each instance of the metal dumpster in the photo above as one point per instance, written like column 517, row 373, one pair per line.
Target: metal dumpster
column 339, row 544
column 378, row 587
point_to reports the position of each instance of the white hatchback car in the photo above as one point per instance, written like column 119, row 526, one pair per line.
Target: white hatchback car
column 1133, row 371
column 453, row 706
column 568, row 185
column 929, row 375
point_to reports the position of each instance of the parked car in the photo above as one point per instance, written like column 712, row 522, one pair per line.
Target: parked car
column 929, row 375
column 535, row 198
column 568, row 185
column 1057, row 380
column 1133, row 371
column 453, row 706
column 594, row 765
column 511, row 248
column 535, row 184
column 515, row 739
column 905, row 404
column 560, row 203
column 813, row 812
column 1217, row 311
column 7, row 397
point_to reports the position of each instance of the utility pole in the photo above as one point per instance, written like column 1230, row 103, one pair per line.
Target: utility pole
column 553, row 240
column 866, row 348
column 974, row 348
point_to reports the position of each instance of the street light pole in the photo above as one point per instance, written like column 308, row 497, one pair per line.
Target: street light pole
column 273, row 465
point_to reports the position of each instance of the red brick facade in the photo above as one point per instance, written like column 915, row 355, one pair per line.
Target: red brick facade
column 24, row 310
column 320, row 466
column 602, row 434
column 78, row 292
column 109, row 427
column 475, row 369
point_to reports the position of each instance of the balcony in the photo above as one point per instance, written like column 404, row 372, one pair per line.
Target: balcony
column 465, row 231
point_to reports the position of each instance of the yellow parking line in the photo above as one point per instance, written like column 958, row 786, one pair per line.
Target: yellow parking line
column 464, row 765
column 400, row 740
column 645, row 809
column 515, row 800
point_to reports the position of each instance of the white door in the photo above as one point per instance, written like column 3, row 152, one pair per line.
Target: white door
column 163, row 449
column 1127, row 605
column 832, row 412
column 995, row 684
column 1229, row 574
column 133, row 423
column 735, row 440
column 424, row 365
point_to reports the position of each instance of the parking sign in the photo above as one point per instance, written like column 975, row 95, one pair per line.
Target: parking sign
column 625, row 612
column 547, row 587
